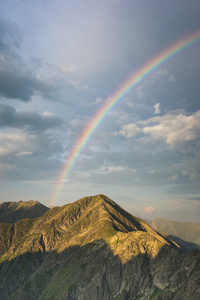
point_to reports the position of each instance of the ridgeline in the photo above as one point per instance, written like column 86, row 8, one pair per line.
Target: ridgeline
column 92, row 249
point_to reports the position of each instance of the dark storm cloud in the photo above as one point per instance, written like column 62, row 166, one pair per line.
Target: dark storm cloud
column 30, row 120
column 17, row 79
column 17, row 85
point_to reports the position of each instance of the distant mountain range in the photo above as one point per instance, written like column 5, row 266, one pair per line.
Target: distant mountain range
column 91, row 249
column 186, row 234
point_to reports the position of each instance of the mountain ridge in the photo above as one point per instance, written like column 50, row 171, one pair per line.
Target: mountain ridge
column 92, row 249
column 11, row 212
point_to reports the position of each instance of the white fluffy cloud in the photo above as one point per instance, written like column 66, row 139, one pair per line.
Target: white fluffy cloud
column 129, row 130
column 172, row 129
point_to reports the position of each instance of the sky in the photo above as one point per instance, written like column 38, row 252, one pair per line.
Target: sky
column 60, row 61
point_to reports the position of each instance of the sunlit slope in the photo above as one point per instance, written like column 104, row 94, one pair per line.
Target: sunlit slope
column 79, row 223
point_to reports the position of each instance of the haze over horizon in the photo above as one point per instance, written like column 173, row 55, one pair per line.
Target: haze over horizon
column 59, row 62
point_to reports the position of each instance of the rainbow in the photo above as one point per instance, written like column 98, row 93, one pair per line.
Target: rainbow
column 114, row 99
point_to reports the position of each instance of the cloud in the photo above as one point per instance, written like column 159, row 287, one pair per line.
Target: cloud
column 30, row 120
column 16, row 83
column 120, row 116
column 184, row 172
column 11, row 142
column 194, row 174
column 10, row 36
column 173, row 129
column 24, row 155
column 129, row 130
column 49, row 114
column 140, row 92
column 163, row 73
column 17, row 79
column 111, row 169
column 98, row 100
column 173, row 178
column 69, row 69
column 157, row 108
column 5, row 167
column 172, row 78
column 160, row 73
column 148, row 209
column 78, row 85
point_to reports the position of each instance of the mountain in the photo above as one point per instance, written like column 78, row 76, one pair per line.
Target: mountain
column 186, row 234
column 10, row 212
column 92, row 249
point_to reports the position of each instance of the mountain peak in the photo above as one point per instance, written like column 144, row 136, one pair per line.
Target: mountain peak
column 11, row 212
column 91, row 249
column 98, row 217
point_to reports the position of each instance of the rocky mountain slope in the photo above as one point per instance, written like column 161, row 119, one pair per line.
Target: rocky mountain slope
column 93, row 249
column 10, row 212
